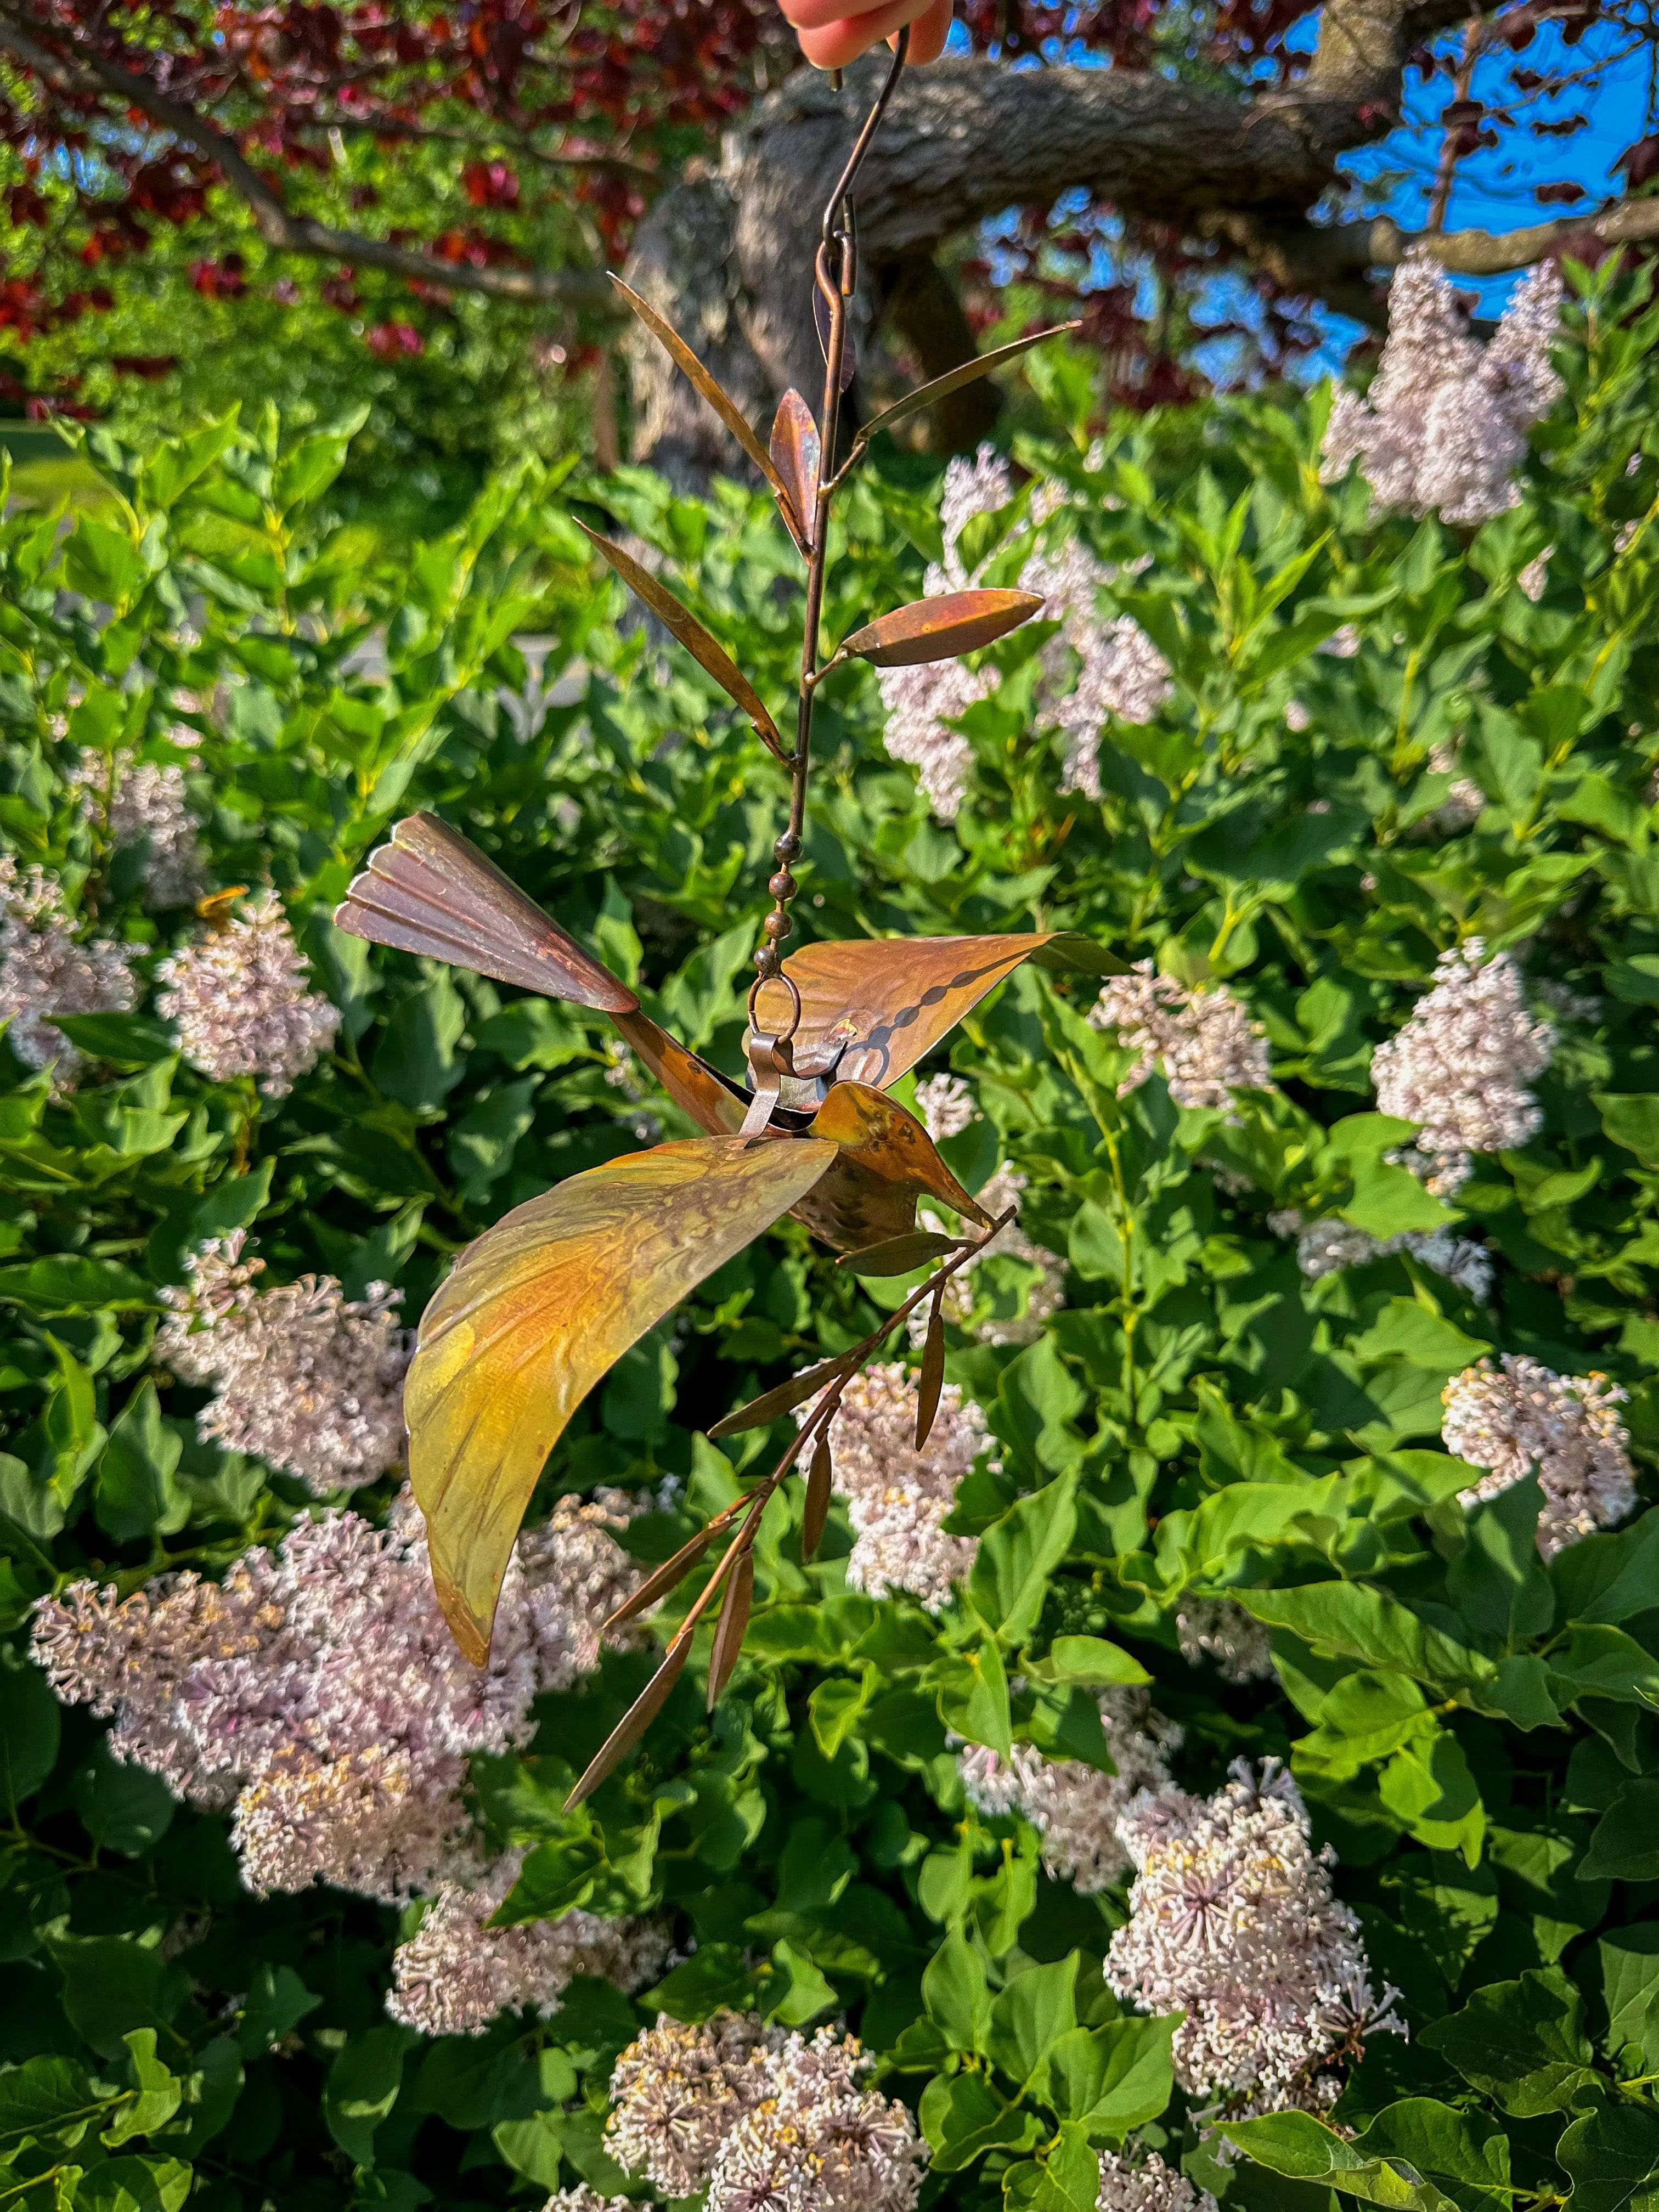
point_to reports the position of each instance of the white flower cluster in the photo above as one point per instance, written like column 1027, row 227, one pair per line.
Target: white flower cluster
column 1461, row 1066
column 945, row 1105
column 1121, row 672
column 317, row 1693
column 1521, row 1414
column 456, row 1974
column 1073, row 1807
column 1444, row 428
column 764, row 2121
column 307, row 1380
column 137, row 802
column 1204, row 1042
column 1148, row 2186
column 238, row 996
column 1218, row 1629
column 45, row 969
column 581, row 2198
column 897, row 1497
column 1325, row 1247
column 1463, row 803
column 1232, row 1922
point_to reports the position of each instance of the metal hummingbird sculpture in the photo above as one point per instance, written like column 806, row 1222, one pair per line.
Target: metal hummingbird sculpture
column 540, row 1307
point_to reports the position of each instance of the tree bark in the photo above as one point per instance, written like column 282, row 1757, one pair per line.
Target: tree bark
column 968, row 138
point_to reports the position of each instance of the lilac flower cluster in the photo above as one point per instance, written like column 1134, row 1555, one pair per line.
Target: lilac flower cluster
column 897, row 1496
column 47, row 968
column 1073, row 1807
column 1521, row 1415
column 1443, row 428
column 1148, row 2185
column 1325, row 1247
column 140, row 803
column 1219, row 1630
column 304, row 1378
column 1204, row 1042
column 239, row 998
column 764, row 2122
column 1119, row 670
column 1460, row 1066
column 1232, row 1922
column 318, row 1693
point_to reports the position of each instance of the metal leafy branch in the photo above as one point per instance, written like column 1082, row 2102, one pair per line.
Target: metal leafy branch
column 541, row 1305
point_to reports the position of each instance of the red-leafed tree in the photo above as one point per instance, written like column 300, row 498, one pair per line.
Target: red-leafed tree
column 682, row 139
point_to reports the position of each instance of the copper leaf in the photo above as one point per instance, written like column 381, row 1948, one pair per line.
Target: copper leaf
column 634, row 1721
column 900, row 1253
column 969, row 372
column 716, row 394
column 797, row 452
column 942, row 628
column 704, row 648
column 662, row 1579
column 889, row 1000
column 849, row 360
column 759, row 1411
column 538, row 1309
column 816, row 1511
column 731, row 1627
column 933, row 1370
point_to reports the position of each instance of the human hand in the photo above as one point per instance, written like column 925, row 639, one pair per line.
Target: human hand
column 833, row 32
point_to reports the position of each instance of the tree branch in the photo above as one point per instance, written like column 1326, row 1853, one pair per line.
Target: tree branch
column 90, row 74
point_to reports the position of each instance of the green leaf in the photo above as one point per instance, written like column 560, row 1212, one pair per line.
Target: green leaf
column 1499, row 1585
column 1351, row 1620
column 1027, row 2016
column 1522, row 2042
column 1017, row 1557
column 1065, row 2180
column 135, row 1493
column 110, row 1985
column 1302, row 2149
column 416, row 1060
column 123, row 1809
column 955, row 1991
column 135, row 2184
column 803, row 1994
column 29, row 1730
column 362, row 2088
column 1630, row 1987
column 277, row 2001
column 963, row 2118
column 1612, row 2156
column 1115, row 2077
column 45, row 2098
column 158, row 2092
column 1625, row 1843
column 1089, row 1659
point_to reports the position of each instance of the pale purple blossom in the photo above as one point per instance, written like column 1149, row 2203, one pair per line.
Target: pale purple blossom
column 141, row 802
column 946, row 1106
column 897, row 1497
column 304, row 1378
column 1232, row 1922
column 317, row 1692
column 1075, row 1807
column 239, row 998
column 1204, row 1042
column 1043, row 1293
column 1119, row 670
column 1219, row 1630
column 1147, row 2185
column 47, row 967
column 764, row 2121
column 1461, row 1066
column 456, row 1974
column 1521, row 1415
column 1443, row 428
column 1327, row 1246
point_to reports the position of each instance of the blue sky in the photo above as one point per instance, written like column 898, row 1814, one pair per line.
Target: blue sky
column 1495, row 188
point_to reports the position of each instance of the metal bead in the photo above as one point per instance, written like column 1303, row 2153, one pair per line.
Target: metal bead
column 782, row 885
column 777, row 925
column 787, row 849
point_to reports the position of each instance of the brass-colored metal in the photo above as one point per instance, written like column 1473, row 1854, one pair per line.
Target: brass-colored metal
column 543, row 1305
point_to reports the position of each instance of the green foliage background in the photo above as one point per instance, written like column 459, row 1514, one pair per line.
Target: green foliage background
column 1475, row 1732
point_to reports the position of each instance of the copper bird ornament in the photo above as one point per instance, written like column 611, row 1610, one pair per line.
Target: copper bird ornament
column 541, row 1305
